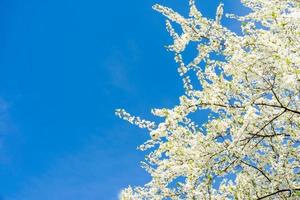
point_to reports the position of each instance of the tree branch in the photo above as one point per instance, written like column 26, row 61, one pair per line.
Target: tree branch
column 262, row 128
column 278, row 106
column 261, row 171
column 279, row 191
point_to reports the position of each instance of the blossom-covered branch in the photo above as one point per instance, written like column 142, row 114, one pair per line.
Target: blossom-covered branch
column 250, row 84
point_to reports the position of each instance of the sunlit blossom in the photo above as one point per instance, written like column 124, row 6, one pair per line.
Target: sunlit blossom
column 251, row 142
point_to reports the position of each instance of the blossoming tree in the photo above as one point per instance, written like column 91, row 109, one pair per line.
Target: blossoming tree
column 250, row 83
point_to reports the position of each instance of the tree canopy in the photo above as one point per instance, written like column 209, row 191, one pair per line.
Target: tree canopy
column 249, row 148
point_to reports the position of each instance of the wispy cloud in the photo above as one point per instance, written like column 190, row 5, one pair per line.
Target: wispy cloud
column 90, row 173
column 119, row 64
column 7, row 127
column 4, row 117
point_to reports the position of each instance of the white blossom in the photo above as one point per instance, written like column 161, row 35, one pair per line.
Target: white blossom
column 250, row 86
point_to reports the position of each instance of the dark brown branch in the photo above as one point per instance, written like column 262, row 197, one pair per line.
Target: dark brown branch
column 258, row 104
column 261, row 171
column 220, row 105
column 278, row 192
column 196, row 32
column 269, row 136
column 278, row 106
column 230, row 164
column 262, row 128
column 276, row 97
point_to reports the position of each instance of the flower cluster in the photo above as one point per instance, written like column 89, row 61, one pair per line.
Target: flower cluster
column 250, row 146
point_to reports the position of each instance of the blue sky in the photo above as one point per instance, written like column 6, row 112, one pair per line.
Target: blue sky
column 65, row 65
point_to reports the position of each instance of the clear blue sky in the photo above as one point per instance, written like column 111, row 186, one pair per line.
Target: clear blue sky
column 65, row 65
